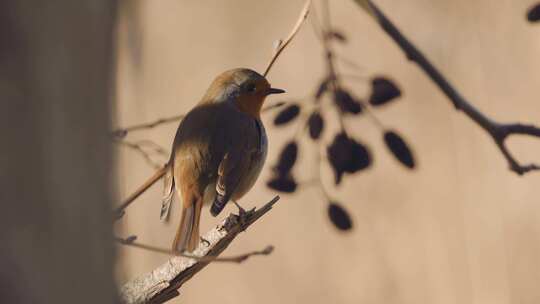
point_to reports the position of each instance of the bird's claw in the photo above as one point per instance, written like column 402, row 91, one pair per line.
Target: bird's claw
column 243, row 216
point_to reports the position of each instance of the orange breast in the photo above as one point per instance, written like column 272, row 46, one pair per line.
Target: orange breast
column 251, row 104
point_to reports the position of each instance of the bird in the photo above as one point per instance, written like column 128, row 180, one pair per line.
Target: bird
column 218, row 151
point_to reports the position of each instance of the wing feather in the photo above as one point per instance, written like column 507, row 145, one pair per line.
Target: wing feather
column 236, row 163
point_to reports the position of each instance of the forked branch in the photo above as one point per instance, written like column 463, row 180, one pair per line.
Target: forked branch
column 162, row 284
column 499, row 132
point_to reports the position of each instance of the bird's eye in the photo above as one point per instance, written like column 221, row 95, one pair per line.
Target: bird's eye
column 251, row 87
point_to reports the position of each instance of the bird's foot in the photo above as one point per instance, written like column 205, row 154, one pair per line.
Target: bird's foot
column 243, row 215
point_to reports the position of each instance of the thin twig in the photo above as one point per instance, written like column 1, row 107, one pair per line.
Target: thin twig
column 273, row 106
column 154, row 147
column 303, row 15
column 333, row 76
column 350, row 63
column 138, row 147
column 232, row 259
column 121, row 133
column 498, row 131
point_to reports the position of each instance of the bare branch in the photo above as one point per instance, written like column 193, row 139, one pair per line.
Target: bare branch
column 273, row 106
column 130, row 241
column 121, row 133
column 162, row 284
column 498, row 131
column 139, row 147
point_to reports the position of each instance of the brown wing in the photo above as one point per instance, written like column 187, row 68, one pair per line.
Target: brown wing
column 195, row 146
column 237, row 161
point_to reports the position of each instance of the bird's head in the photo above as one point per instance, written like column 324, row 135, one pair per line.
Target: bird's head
column 244, row 88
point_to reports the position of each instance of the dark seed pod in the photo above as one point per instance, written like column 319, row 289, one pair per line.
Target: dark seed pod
column 286, row 115
column 287, row 158
column 285, row 184
column 383, row 91
column 339, row 216
column 360, row 157
column 534, row 13
column 316, row 125
column 346, row 102
column 339, row 155
column 399, row 149
column 347, row 156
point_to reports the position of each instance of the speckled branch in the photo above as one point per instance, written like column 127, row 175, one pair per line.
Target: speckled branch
column 162, row 283
column 499, row 132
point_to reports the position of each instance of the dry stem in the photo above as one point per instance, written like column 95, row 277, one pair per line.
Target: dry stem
column 121, row 133
column 140, row 148
column 232, row 259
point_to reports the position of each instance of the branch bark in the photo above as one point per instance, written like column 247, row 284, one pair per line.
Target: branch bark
column 499, row 132
column 162, row 284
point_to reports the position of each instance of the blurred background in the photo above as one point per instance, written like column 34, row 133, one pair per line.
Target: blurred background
column 460, row 228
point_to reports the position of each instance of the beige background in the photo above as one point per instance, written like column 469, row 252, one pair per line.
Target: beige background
column 460, row 229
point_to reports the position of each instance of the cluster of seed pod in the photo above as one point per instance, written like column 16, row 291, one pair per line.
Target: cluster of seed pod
column 345, row 154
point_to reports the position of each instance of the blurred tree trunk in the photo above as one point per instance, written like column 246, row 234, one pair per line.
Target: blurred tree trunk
column 55, row 160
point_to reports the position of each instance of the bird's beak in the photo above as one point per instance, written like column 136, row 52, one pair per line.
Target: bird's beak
column 274, row 91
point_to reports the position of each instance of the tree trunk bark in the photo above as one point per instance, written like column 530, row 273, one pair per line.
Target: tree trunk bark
column 56, row 59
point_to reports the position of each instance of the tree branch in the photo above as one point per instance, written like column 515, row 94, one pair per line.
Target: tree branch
column 121, row 133
column 130, row 241
column 147, row 149
column 162, row 284
column 499, row 132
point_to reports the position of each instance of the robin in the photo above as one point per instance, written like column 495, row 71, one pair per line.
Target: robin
column 218, row 152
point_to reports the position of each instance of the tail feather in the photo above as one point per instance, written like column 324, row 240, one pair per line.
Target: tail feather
column 187, row 235
column 195, row 234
